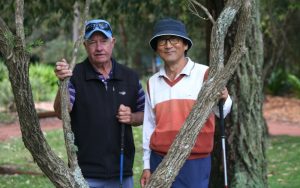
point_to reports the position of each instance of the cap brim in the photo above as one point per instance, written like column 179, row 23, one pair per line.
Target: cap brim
column 106, row 33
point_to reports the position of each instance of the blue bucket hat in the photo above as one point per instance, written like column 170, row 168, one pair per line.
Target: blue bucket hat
column 93, row 26
column 169, row 27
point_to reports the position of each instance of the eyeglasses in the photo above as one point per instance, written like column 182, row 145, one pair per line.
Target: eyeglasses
column 172, row 40
column 100, row 25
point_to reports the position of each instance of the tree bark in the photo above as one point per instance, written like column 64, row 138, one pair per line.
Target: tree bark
column 248, row 132
column 246, row 128
column 76, row 21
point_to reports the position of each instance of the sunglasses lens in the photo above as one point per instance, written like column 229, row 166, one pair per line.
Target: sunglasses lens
column 100, row 25
column 103, row 26
column 90, row 27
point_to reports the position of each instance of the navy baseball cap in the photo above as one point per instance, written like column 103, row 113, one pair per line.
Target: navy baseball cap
column 95, row 25
column 169, row 27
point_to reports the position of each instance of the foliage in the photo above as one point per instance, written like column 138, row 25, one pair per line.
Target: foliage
column 283, row 83
column 277, row 84
column 279, row 23
column 33, row 44
column 56, row 49
column 295, row 83
column 51, row 22
column 43, row 82
column 3, row 71
column 6, row 96
column 43, row 19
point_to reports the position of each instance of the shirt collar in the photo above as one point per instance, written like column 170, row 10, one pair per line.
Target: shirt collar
column 185, row 71
column 92, row 73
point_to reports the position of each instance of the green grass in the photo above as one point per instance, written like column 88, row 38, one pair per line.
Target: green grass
column 283, row 156
column 14, row 154
column 284, row 162
column 7, row 117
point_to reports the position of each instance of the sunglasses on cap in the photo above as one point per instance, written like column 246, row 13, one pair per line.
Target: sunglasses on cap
column 101, row 25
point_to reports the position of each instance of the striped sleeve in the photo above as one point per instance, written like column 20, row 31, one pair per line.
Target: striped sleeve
column 140, row 103
column 72, row 93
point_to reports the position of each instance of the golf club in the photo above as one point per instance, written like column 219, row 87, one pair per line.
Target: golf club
column 122, row 153
column 222, row 124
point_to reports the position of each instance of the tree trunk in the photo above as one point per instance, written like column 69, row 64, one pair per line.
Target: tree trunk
column 248, row 132
column 246, row 128
column 76, row 22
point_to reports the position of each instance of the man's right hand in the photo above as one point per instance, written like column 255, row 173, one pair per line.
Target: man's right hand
column 62, row 69
column 145, row 177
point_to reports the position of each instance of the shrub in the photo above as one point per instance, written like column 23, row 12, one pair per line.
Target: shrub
column 6, row 95
column 43, row 82
column 295, row 83
column 277, row 84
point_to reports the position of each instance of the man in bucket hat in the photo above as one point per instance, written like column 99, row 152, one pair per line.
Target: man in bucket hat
column 104, row 95
column 170, row 95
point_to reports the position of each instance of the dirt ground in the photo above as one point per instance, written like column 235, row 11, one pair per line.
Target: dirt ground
column 282, row 116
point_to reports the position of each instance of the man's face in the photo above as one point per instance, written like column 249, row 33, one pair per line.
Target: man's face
column 99, row 48
column 171, row 48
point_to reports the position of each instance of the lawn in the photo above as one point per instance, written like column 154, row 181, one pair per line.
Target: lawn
column 283, row 155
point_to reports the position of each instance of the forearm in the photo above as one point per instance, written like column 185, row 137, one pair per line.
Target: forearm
column 137, row 118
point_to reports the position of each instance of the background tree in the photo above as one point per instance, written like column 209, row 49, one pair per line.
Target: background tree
column 246, row 128
column 279, row 22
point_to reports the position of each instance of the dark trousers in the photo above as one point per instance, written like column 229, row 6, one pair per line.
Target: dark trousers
column 194, row 173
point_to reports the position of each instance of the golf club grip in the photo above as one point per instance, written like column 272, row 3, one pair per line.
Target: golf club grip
column 122, row 136
column 221, row 112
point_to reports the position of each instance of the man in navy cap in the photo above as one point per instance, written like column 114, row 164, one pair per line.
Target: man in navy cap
column 103, row 95
column 171, row 94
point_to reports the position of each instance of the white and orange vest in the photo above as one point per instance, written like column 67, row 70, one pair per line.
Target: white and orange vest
column 172, row 102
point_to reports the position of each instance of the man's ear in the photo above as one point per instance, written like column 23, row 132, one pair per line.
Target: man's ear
column 114, row 40
column 186, row 47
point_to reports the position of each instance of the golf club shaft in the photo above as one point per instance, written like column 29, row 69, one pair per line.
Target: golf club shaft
column 122, row 154
column 222, row 124
column 224, row 161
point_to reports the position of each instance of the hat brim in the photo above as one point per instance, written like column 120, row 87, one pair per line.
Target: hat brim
column 105, row 32
column 153, row 40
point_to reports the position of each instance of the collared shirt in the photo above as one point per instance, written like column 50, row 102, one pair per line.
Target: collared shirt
column 165, row 97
